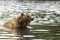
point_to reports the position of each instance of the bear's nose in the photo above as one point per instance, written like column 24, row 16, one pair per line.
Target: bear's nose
column 32, row 19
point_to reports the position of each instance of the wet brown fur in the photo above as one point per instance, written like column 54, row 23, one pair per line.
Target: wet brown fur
column 18, row 22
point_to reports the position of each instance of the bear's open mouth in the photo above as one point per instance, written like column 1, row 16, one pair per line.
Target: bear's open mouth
column 27, row 22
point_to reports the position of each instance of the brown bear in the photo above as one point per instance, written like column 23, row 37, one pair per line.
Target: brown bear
column 18, row 25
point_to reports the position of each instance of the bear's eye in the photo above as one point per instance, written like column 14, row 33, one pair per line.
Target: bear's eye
column 27, row 16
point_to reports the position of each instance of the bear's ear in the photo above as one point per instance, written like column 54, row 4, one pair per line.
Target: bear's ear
column 22, row 14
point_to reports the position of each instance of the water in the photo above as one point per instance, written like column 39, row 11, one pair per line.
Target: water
column 45, row 13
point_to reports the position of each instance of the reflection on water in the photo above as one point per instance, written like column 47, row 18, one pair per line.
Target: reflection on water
column 46, row 32
column 39, row 32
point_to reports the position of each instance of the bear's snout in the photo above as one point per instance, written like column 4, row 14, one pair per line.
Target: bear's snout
column 32, row 19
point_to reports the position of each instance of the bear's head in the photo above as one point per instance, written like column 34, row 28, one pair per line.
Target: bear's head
column 25, row 19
